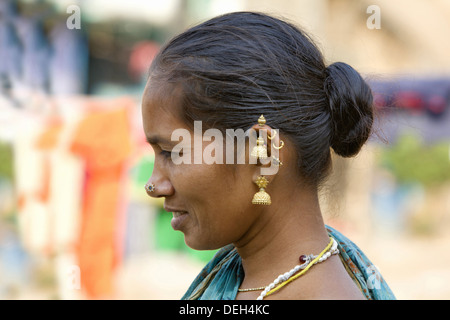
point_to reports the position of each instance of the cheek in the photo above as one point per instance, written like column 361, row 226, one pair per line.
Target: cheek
column 221, row 208
column 218, row 188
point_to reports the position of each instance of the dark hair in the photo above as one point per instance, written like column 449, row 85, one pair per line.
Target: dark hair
column 237, row 66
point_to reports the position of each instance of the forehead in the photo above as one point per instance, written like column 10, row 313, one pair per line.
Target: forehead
column 161, row 108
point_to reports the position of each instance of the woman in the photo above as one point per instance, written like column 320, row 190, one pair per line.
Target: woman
column 244, row 71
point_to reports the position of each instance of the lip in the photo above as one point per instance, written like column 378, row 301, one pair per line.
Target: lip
column 172, row 209
column 178, row 220
column 179, row 216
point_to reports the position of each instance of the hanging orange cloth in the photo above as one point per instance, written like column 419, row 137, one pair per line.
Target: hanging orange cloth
column 103, row 140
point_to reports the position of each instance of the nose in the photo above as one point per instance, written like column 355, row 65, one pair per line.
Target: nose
column 158, row 186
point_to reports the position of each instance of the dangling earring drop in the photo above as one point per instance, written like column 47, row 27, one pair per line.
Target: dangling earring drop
column 261, row 197
column 260, row 150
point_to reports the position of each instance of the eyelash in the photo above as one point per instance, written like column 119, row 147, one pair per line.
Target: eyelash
column 166, row 154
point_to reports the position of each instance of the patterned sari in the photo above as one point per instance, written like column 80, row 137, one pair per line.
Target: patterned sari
column 222, row 276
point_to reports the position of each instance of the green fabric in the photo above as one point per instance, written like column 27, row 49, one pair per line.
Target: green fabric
column 222, row 276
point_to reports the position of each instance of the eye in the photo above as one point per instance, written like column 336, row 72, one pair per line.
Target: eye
column 161, row 152
column 166, row 154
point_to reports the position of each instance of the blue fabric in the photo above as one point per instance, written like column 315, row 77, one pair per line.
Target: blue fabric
column 222, row 276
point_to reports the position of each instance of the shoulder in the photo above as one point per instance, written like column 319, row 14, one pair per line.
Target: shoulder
column 325, row 281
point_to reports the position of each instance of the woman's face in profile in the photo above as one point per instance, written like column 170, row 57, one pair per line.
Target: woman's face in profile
column 210, row 203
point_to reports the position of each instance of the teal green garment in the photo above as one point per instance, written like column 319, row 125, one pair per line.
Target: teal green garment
column 222, row 276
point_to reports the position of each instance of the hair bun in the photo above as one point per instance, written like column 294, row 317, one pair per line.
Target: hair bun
column 351, row 109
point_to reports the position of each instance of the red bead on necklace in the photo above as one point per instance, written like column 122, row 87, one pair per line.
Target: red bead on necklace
column 302, row 259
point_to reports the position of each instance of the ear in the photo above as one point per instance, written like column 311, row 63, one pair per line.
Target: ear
column 271, row 137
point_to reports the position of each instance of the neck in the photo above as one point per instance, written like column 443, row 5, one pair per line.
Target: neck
column 285, row 230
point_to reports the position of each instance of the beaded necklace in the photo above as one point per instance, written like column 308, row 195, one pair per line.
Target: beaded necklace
column 307, row 261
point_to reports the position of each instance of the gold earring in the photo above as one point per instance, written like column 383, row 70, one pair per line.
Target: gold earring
column 260, row 150
column 261, row 121
column 279, row 147
column 272, row 136
column 277, row 161
column 261, row 197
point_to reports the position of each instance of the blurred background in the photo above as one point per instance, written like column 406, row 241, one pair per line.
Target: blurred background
column 75, row 222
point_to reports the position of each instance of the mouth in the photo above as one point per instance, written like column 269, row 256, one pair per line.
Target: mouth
column 179, row 219
column 177, row 214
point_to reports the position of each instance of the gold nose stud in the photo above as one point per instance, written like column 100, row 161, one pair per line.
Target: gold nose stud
column 150, row 187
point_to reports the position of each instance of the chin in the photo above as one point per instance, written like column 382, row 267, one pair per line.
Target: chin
column 201, row 244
